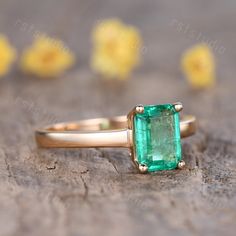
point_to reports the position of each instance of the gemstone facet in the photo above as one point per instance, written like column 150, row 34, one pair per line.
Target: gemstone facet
column 157, row 137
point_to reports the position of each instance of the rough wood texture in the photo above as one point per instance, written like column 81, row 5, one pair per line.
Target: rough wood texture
column 98, row 191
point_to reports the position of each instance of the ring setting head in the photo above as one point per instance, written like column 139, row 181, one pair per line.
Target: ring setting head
column 156, row 137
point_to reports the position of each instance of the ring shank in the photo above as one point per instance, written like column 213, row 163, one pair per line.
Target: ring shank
column 101, row 132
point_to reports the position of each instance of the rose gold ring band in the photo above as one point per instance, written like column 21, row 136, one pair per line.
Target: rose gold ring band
column 102, row 132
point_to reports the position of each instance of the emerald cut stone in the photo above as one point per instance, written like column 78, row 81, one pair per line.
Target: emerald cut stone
column 157, row 137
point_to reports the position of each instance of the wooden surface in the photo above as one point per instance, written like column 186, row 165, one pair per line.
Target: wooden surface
column 98, row 191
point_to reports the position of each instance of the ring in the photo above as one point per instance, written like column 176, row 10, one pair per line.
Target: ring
column 152, row 133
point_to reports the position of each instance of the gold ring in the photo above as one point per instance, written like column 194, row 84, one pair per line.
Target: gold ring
column 152, row 133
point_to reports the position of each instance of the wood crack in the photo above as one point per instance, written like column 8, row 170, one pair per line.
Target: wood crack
column 8, row 167
column 86, row 188
column 105, row 155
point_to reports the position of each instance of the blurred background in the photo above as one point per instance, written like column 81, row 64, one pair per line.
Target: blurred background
column 33, row 181
column 164, row 41
column 166, row 29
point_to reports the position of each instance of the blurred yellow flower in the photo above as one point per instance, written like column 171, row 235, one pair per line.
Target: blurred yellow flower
column 46, row 57
column 7, row 55
column 199, row 66
column 116, row 49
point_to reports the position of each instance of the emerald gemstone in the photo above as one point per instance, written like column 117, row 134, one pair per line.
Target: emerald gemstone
column 157, row 137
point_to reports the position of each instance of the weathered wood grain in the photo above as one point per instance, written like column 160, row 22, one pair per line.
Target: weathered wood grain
column 98, row 191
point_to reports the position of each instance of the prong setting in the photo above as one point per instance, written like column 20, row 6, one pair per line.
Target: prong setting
column 181, row 164
column 142, row 168
column 139, row 112
column 139, row 109
column 136, row 110
column 178, row 106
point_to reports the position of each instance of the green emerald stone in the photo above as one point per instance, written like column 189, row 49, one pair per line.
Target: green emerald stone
column 157, row 137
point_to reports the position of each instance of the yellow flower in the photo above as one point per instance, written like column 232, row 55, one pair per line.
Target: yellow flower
column 199, row 66
column 46, row 57
column 116, row 48
column 7, row 55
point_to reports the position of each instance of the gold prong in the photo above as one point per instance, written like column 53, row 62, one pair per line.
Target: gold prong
column 139, row 109
column 135, row 110
column 130, row 118
column 143, row 168
column 181, row 164
column 178, row 106
column 135, row 161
